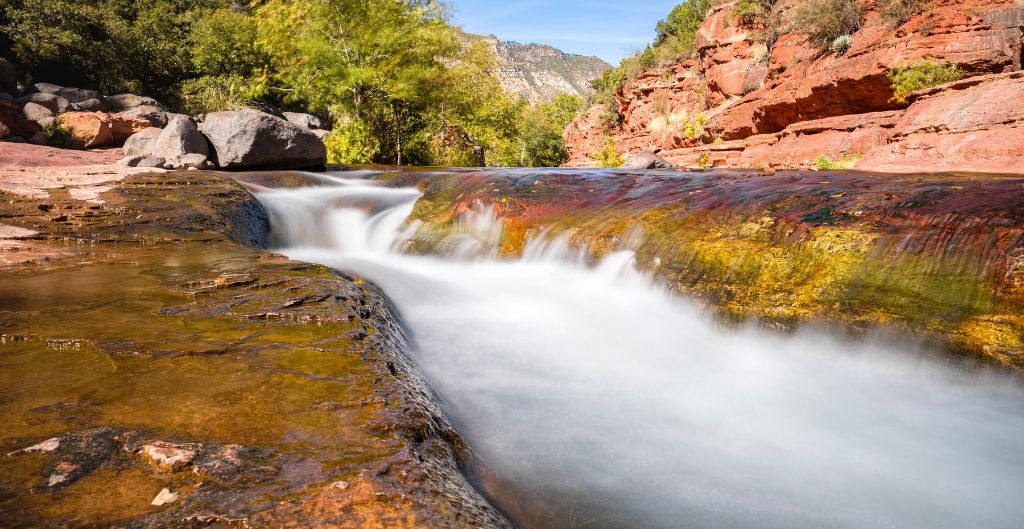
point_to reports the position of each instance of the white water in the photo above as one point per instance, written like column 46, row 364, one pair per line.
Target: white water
column 600, row 400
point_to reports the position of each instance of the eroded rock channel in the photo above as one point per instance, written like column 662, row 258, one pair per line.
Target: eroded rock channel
column 159, row 370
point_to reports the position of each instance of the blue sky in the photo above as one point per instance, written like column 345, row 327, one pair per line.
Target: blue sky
column 609, row 29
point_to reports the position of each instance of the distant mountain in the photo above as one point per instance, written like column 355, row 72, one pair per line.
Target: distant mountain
column 539, row 73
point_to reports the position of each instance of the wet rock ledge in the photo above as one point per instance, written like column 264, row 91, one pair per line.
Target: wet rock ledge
column 158, row 371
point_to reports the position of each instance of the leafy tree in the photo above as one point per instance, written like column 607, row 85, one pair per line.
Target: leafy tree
column 541, row 141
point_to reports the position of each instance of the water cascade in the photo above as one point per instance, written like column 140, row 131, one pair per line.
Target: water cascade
column 594, row 397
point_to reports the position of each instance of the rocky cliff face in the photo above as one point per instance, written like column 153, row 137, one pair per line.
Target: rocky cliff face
column 538, row 73
column 739, row 103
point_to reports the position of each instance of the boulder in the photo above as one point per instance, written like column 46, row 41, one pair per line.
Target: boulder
column 157, row 116
column 99, row 129
column 188, row 161
column 8, row 77
column 13, row 139
column 322, row 134
column 141, row 143
column 15, row 123
column 132, row 160
column 645, row 160
column 78, row 95
column 36, row 112
column 150, row 161
column 303, row 120
column 4, row 96
column 89, row 105
column 249, row 138
column 181, row 136
column 47, row 88
column 56, row 104
column 121, row 102
column 39, row 138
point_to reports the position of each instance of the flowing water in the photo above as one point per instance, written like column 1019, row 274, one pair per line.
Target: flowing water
column 595, row 398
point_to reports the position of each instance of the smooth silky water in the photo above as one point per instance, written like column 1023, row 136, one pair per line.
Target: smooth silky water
column 596, row 398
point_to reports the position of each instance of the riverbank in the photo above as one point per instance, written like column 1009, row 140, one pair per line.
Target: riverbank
column 148, row 344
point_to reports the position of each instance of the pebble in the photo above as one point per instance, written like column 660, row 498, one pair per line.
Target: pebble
column 164, row 497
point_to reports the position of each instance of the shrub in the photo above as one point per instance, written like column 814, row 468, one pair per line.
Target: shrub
column 897, row 12
column 58, row 135
column 841, row 44
column 925, row 74
column 351, row 143
column 748, row 12
column 826, row 20
column 844, row 162
column 609, row 157
column 213, row 93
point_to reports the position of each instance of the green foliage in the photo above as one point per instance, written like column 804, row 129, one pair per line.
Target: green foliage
column 826, row 20
column 351, row 143
column 897, row 12
column 609, row 157
column 675, row 39
column 213, row 93
column 844, row 162
column 924, row 74
column 694, row 127
column 749, row 12
column 703, row 161
column 541, row 139
column 58, row 135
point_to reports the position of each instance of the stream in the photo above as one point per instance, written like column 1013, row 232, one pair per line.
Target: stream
column 594, row 397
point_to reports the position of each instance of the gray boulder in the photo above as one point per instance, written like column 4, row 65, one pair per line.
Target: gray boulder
column 39, row 138
column 122, row 102
column 141, row 143
column 155, row 115
column 181, row 136
column 8, row 77
column 249, row 138
column 46, row 122
column 322, row 134
column 150, row 161
column 303, row 120
column 188, row 161
column 36, row 112
column 77, row 95
column 645, row 160
column 132, row 160
column 89, row 105
column 47, row 88
column 56, row 104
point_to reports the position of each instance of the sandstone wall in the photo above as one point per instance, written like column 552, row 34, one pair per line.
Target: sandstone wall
column 788, row 106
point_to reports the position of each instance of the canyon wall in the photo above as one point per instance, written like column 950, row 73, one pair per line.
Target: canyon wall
column 740, row 104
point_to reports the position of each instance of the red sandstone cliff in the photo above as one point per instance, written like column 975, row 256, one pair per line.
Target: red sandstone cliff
column 787, row 107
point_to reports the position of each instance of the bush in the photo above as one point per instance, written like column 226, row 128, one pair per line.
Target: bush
column 58, row 135
column 841, row 44
column 844, row 162
column 826, row 20
column 351, row 143
column 925, row 74
column 609, row 157
column 214, row 93
column 748, row 12
column 897, row 12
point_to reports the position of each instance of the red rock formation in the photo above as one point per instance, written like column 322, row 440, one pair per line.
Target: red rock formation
column 98, row 129
column 804, row 104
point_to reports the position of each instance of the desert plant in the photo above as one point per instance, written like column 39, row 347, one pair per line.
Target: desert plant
column 826, row 20
column 924, row 74
column 748, row 12
column 58, row 135
column 841, row 44
column 703, row 162
column 844, row 162
column 694, row 128
column 897, row 12
column 610, row 157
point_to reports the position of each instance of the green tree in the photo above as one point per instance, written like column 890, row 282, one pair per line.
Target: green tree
column 541, row 137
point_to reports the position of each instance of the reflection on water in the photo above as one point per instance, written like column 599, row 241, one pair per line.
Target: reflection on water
column 597, row 399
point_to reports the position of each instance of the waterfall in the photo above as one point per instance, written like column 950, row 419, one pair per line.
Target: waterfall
column 596, row 398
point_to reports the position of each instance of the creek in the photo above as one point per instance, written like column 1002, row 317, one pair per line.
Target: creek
column 593, row 396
